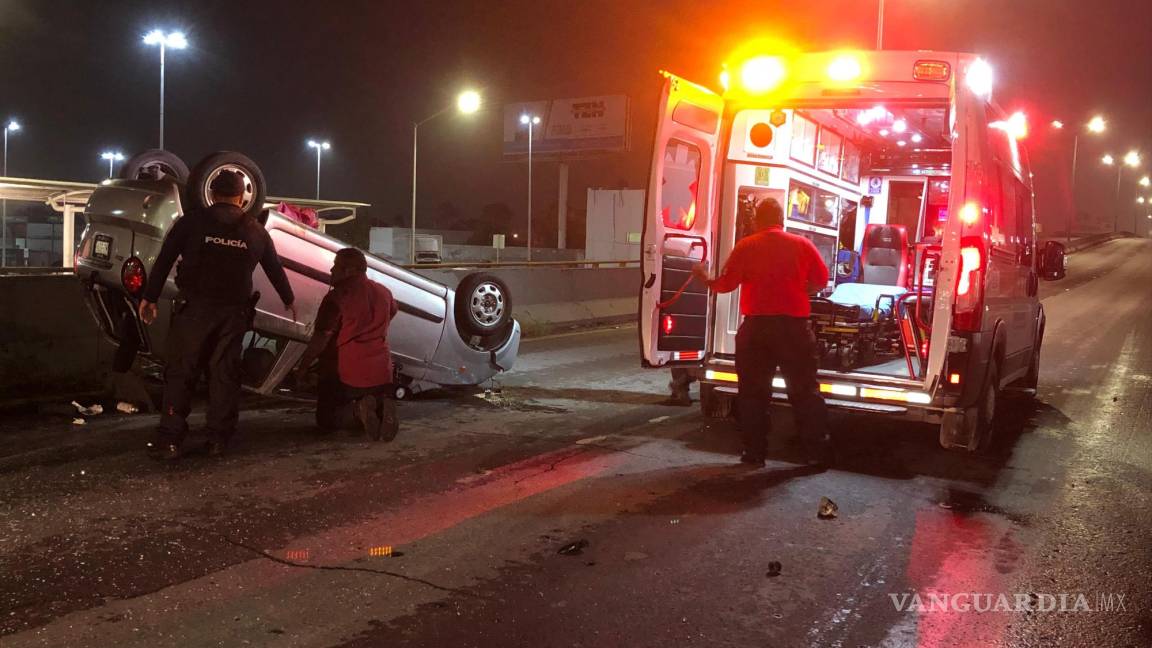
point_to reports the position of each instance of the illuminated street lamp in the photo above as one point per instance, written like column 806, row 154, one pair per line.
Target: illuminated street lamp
column 1096, row 125
column 530, row 121
column 320, row 148
column 467, row 103
column 1144, row 182
column 170, row 40
column 111, row 157
column 11, row 127
column 1132, row 159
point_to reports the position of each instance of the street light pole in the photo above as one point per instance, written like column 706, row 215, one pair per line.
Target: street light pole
column 468, row 102
column 1072, row 212
column 880, row 27
column 530, row 121
column 320, row 148
column 11, row 127
column 175, row 40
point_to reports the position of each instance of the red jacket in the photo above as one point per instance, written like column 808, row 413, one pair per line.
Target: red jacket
column 773, row 270
column 358, row 312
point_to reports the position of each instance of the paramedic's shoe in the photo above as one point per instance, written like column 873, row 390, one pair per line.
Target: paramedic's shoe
column 366, row 413
column 389, row 421
column 752, row 459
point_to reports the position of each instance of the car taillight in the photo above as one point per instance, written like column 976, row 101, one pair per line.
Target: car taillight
column 970, row 288
column 133, row 277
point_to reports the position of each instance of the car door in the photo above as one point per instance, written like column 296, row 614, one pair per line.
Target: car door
column 679, row 224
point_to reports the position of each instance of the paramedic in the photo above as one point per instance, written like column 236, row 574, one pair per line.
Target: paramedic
column 776, row 271
column 351, row 341
column 219, row 248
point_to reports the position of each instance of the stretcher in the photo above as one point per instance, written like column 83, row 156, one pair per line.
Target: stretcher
column 858, row 325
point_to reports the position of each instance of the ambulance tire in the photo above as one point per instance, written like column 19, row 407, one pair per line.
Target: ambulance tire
column 986, row 412
column 155, row 164
column 198, row 193
column 715, row 404
column 483, row 311
column 1032, row 379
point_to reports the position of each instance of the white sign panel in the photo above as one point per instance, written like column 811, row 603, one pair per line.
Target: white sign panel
column 568, row 127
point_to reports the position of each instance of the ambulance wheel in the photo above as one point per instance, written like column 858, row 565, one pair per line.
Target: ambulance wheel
column 483, row 310
column 155, row 164
column 199, row 181
column 1032, row 379
column 715, row 404
column 985, row 412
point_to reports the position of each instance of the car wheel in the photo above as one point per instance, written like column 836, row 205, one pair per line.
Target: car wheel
column 483, row 310
column 199, row 181
column 714, row 404
column 1032, row 380
column 155, row 164
column 401, row 392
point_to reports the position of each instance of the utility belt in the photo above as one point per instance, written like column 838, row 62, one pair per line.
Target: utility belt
column 181, row 303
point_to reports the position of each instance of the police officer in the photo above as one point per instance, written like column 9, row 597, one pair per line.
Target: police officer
column 218, row 248
column 775, row 271
column 351, row 340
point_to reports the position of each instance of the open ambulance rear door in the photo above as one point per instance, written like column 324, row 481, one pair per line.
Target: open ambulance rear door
column 680, row 217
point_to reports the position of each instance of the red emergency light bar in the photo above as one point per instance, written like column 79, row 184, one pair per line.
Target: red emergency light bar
column 932, row 71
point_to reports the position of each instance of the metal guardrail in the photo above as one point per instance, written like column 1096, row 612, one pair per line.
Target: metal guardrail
column 522, row 264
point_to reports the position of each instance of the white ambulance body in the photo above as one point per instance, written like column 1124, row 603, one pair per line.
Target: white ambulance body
column 914, row 186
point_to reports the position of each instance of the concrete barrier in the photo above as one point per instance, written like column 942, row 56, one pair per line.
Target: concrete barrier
column 545, row 299
column 49, row 342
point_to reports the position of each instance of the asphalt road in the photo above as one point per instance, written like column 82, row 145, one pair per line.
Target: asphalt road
column 286, row 541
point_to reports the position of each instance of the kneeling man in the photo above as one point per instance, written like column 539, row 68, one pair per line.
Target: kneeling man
column 351, row 341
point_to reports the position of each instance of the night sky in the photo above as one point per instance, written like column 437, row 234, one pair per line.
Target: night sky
column 263, row 77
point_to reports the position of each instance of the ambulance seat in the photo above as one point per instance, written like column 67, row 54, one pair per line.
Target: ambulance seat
column 884, row 255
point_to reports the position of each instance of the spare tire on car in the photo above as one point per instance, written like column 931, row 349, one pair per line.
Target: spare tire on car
column 483, row 310
column 155, row 164
column 199, row 195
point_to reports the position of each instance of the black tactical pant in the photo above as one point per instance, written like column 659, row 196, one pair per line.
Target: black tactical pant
column 335, row 403
column 762, row 344
column 208, row 337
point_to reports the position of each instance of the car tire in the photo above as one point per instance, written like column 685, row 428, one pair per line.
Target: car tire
column 715, row 404
column 483, row 310
column 1032, row 379
column 198, row 194
column 155, row 164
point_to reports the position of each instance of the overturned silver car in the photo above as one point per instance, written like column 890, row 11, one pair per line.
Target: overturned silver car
column 440, row 337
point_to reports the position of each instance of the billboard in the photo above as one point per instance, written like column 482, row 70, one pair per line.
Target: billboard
column 569, row 128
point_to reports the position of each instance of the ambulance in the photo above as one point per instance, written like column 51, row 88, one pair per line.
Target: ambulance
column 912, row 183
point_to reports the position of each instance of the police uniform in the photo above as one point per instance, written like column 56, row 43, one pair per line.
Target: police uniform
column 218, row 248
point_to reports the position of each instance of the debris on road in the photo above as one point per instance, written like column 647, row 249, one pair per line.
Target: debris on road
column 88, row 411
column 827, row 509
column 79, row 421
column 573, row 548
column 126, row 408
column 774, row 568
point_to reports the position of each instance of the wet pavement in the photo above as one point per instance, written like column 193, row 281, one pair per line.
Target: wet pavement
column 572, row 508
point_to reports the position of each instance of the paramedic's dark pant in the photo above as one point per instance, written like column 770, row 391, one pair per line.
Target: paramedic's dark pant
column 335, row 400
column 210, row 337
column 762, row 344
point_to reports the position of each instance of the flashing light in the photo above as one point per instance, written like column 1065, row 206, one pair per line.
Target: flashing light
column 762, row 73
column 725, row 79
column 931, row 71
column 899, row 126
column 917, row 138
column 979, row 78
column 969, row 214
column 884, row 132
column 844, row 68
column 1097, row 124
column 1016, row 126
column 1057, row 124
column 722, row 376
column 468, row 102
column 901, row 143
column 954, row 378
column 667, row 324
column 838, row 390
